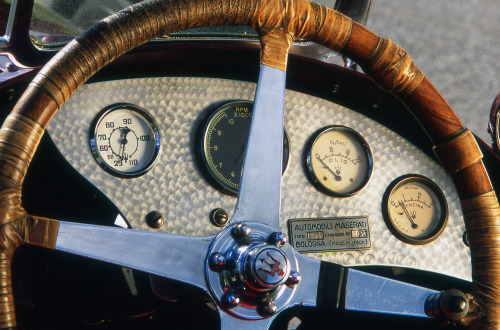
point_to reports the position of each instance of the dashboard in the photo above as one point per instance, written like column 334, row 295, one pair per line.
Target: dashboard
column 380, row 221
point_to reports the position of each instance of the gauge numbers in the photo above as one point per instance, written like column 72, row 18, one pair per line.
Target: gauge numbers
column 339, row 161
column 415, row 209
column 223, row 144
column 125, row 140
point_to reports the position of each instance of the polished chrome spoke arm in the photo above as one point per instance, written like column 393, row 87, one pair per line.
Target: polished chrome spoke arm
column 176, row 257
column 357, row 291
column 259, row 193
column 365, row 292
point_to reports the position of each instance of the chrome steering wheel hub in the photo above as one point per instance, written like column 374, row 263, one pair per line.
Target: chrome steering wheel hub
column 251, row 270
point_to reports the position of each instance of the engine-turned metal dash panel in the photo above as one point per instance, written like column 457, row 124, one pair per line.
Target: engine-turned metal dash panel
column 178, row 189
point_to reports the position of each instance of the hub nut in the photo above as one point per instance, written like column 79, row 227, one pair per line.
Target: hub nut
column 293, row 279
column 217, row 262
column 241, row 232
column 230, row 300
column 268, row 309
column 278, row 239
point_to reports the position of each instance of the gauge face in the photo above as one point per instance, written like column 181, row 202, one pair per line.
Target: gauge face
column 415, row 209
column 339, row 161
column 224, row 141
column 125, row 140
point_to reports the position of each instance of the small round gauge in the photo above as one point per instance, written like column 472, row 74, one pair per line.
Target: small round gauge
column 415, row 209
column 125, row 140
column 223, row 144
column 339, row 161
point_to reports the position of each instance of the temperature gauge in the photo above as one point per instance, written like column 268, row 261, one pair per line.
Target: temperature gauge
column 125, row 140
column 339, row 161
column 415, row 209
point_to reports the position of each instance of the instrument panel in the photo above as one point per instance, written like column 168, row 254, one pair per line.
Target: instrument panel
column 355, row 190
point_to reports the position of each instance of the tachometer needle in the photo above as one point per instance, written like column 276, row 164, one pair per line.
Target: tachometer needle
column 413, row 224
column 337, row 177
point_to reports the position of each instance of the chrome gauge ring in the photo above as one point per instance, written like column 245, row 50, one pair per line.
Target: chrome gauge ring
column 125, row 140
column 339, row 161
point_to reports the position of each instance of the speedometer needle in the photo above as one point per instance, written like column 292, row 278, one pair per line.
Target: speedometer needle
column 123, row 141
column 337, row 177
column 413, row 224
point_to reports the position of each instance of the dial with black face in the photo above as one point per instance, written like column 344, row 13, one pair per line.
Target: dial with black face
column 224, row 141
column 125, row 140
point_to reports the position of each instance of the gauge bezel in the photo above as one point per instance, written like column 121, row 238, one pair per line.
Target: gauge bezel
column 441, row 199
column 97, row 155
column 213, row 177
column 310, row 171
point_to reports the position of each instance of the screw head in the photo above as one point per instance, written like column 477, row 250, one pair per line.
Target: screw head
column 219, row 217
column 293, row 279
column 278, row 239
column 217, row 262
column 230, row 300
column 240, row 232
column 154, row 219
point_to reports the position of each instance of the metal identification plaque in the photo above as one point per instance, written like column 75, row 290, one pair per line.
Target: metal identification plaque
column 329, row 234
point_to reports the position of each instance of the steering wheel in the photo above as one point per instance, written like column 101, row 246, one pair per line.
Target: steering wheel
column 248, row 268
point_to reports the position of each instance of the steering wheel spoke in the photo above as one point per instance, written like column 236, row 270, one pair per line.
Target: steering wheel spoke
column 363, row 293
column 176, row 257
column 260, row 188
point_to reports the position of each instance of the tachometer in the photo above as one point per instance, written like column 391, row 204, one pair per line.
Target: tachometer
column 339, row 161
column 125, row 140
column 223, row 144
column 415, row 209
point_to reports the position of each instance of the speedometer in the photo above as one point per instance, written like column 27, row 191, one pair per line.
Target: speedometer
column 125, row 140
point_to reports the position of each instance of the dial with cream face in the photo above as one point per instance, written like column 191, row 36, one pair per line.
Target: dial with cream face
column 415, row 209
column 339, row 161
column 125, row 140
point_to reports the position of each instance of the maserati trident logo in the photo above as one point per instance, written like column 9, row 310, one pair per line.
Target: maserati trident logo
column 273, row 264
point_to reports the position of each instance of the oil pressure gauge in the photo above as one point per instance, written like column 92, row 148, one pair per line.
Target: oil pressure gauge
column 125, row 140
column 415, row 209
column 339, row 161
